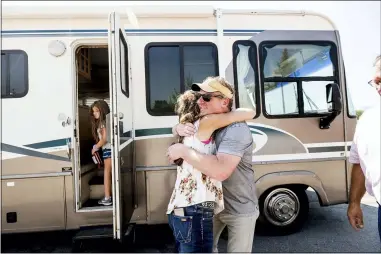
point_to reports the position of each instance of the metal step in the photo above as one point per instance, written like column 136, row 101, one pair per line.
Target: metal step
column 98, row 233
column 94, row 232
column 103, row 235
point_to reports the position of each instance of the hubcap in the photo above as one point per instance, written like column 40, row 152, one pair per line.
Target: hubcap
column 281, row 207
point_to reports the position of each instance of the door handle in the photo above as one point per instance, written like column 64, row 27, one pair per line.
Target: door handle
column 120, row 115
column 65, row 120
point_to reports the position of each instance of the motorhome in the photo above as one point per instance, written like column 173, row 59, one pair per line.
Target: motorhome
column 56, row 61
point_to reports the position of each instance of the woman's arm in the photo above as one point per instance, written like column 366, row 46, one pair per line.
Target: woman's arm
column 212, row 122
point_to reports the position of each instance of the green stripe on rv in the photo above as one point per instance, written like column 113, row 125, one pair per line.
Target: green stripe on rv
column 138, row 133
column 152, row 132
column 46, row 144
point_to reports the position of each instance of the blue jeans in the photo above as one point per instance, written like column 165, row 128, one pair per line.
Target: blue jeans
column 106, row 153
column 193, row 232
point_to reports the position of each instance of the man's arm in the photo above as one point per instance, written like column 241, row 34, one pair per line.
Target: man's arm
column 357, row 189
column 231, row 149
column 218, row 167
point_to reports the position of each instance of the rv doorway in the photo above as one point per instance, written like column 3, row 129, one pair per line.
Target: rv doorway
column 92, row 85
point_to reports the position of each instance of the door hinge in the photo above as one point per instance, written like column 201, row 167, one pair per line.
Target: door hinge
column 75, row 133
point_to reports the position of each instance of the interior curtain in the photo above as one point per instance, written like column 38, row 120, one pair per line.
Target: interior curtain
column 245, row 91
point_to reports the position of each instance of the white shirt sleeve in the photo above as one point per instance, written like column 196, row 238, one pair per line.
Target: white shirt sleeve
column 353, row 155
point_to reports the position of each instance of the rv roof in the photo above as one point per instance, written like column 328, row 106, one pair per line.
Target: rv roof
column 10, row 10
column 83, row 11
column 13, row 10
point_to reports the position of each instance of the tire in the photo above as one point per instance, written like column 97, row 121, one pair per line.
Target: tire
column 283, row 210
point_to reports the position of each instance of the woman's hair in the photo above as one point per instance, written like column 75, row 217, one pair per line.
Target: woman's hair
column 95, row 123
column 187, row 109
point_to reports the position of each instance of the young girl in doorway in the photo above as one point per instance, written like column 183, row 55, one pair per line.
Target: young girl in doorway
column 98, row 111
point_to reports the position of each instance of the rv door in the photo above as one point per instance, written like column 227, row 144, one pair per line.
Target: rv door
column 121, row 129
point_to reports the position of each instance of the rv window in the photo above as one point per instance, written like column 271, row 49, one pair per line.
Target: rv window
column 295, row 76
column 14, row 74
column 171, row 68
column 245, row 76
column 124, row 66
column 281, row 101
column 199, row 63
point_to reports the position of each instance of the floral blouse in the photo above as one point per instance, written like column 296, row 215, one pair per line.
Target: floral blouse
column 193, row 187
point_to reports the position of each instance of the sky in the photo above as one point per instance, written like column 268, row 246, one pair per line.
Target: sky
column 359, row 24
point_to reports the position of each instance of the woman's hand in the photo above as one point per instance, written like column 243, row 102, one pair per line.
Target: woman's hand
column 95, row 149
column 175, row 152
column 185, row 130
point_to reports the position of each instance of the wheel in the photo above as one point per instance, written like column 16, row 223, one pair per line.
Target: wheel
column 283, row 210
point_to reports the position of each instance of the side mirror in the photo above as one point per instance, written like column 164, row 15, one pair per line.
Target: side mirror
column 334, row 102
column 333, row 95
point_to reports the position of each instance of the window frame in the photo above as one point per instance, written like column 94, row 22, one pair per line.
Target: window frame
column 347, row 95
column 254, row 64
column 299, row 80
column 182, row 84
column 26, row 76
column 126, row 65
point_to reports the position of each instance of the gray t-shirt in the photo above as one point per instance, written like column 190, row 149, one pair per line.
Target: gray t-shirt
column 240, row 195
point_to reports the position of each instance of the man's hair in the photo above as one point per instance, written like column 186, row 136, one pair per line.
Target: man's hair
column 224, row 83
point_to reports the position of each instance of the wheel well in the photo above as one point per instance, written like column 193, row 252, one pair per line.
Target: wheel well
column 291, row 186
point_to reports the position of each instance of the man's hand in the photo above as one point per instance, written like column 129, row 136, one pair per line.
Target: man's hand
column 185, row 130
column 175, row 152
column 355, row 216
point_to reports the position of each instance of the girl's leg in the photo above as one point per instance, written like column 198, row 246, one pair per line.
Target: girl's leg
column 107, row 200
column 107, row 177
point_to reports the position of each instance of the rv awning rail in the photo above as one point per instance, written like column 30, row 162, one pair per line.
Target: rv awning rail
column 14, row 10
column 83, row 11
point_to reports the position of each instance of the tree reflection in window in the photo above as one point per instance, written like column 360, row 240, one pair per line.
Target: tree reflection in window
column 285, row 68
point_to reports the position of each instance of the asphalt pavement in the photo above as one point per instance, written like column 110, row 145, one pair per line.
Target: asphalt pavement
column 327, row 230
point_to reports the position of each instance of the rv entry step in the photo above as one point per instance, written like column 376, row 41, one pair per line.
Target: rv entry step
column 98, row 234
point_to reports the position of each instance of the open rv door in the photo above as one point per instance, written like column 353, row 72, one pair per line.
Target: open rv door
column 121, row 131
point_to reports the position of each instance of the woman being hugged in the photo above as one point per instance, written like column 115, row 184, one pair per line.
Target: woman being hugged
column 196, row 198
column 98, row 111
